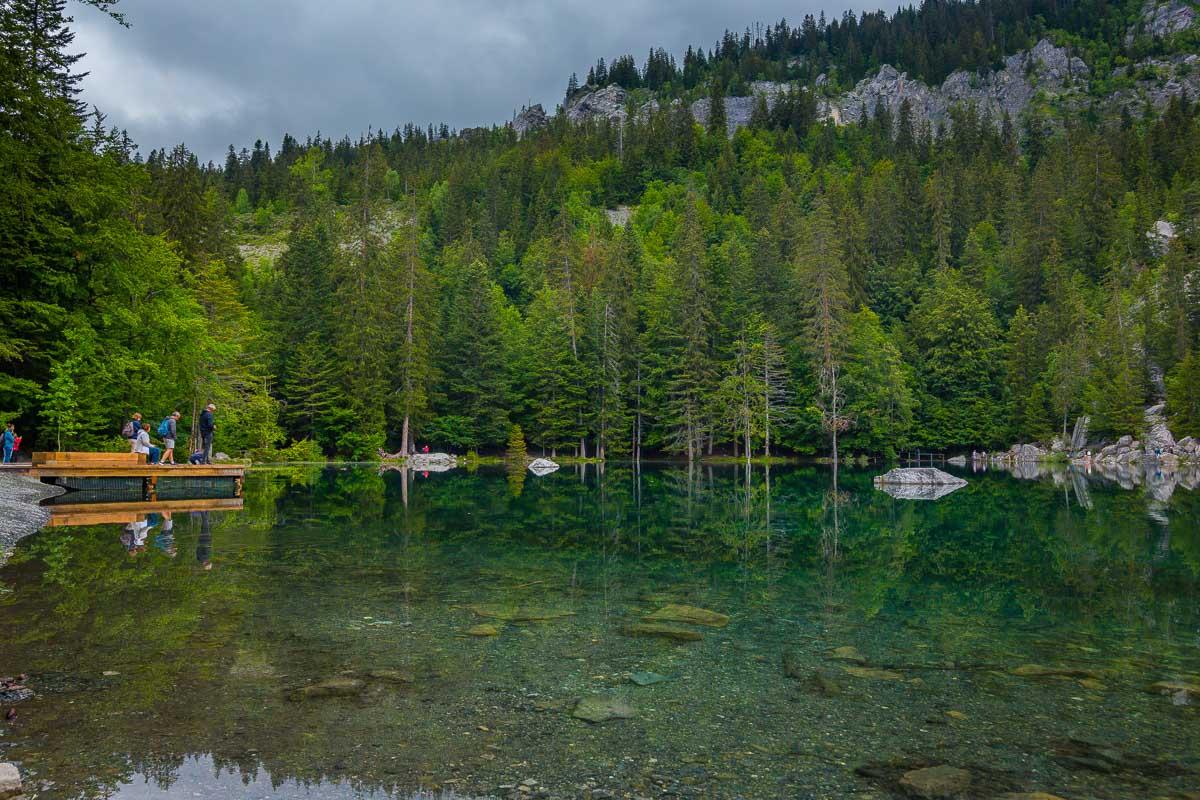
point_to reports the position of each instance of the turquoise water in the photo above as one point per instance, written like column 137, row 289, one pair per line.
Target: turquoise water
column 1013, row 629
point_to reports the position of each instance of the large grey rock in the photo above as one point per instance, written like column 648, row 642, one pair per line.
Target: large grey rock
column 432, row 462
column 1158, row 436
column 10, row 781
column 606, row 103
column 530, row 119
column 918, row 476
column 542, row 466
column 1080, row 433
column 918, row 483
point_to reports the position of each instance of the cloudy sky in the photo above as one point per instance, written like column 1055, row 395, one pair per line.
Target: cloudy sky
column 215, row 72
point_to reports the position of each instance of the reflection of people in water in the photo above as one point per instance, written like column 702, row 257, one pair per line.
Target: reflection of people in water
column 165, row 540
column 134, row 537
column 204, row 543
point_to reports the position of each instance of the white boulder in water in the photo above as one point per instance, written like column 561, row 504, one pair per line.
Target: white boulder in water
column 432, row 462
column 918, row 483
column 542, row 466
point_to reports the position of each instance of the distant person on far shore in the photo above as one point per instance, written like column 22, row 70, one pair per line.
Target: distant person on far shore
column 207, row 426
column 10, row 442
column 168, row 429
column 142, row 445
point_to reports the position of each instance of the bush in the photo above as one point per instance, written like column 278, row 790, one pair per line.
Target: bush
column 305, row 450
column 360, row 446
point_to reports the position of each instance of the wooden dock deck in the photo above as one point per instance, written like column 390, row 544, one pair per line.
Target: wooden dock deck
column 65, row 466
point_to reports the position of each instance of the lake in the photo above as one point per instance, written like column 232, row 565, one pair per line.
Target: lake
column 357, row 633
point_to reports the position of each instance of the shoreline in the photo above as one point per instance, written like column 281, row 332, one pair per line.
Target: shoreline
column 20, row 514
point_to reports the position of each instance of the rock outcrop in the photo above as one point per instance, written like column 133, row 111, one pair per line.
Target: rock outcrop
column 1045, row 71
column 1162, row 19
column 738, row 110
column 606, row 103
column 530, row 119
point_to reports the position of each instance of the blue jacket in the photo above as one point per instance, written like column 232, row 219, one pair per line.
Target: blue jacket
column 10, row 438
column 207, row 423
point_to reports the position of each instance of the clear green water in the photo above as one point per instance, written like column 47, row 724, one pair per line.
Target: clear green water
column 157, row 677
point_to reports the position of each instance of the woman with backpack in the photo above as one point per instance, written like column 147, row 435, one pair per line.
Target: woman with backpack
column 131, row 429
column 167, row 429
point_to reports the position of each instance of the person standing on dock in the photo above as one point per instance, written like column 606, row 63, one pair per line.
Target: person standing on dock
column 10, row 442
column 207, row 426
column 168, row 430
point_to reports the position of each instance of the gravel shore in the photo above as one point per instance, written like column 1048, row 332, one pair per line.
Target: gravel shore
column 20, row 514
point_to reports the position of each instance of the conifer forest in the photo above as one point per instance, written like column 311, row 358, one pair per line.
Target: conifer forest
column 646, row 281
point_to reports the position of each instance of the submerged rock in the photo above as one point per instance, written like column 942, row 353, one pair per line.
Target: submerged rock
column 1038, row 671
column 647, row 678
column 848, row 653
column 15, row 694
column 825, row 684
column 334, row 687
column 518, row 613
column 690, row 615
column 936, row 782
column 873, row 673
column 1030, row 796
column 793, row 667
column 600, row 708
column 1180, row 692
column 662, row 631
column 390, row 676
column 483, row 630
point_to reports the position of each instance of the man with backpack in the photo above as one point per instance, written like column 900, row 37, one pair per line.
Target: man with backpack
column 167, row 429
column 207, row 426
column 130, row 431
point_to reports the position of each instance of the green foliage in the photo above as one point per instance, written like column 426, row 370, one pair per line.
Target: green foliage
column 445, row 288
column 1183, row 396
column 303, row 451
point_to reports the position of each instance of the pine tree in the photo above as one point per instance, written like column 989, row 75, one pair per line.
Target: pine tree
column 516, row 453
column 824, row 283
column 716, row 109
column 414, row 365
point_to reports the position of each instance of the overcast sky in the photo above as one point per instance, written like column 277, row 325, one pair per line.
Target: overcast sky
column 215, row 72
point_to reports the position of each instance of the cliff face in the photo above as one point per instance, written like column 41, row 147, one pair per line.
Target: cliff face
column 1043, row 72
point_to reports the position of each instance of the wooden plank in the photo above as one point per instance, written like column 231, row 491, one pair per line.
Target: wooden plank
column 134, row 471
column 67, row 457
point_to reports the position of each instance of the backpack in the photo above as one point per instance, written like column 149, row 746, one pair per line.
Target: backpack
column 164, row 427
column 127, row 430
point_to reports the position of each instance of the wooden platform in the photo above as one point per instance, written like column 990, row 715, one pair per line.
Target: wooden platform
column 67, row 514
column 124, row 465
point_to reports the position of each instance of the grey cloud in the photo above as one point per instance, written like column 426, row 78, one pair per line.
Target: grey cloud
column 222, row 71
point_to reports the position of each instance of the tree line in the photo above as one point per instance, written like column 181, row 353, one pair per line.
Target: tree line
column 647, row 288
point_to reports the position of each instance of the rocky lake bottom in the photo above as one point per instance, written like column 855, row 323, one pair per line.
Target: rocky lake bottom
column 630, row 633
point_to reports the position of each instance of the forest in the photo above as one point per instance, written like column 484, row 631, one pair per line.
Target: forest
column 653, row 288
